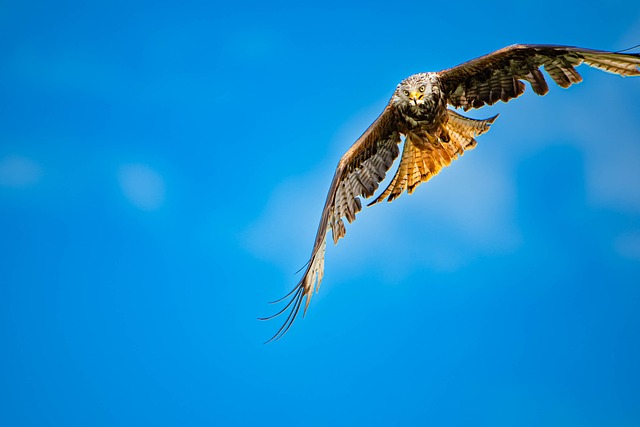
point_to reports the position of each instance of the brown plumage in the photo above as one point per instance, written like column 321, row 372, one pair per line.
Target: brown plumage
column 434, row 136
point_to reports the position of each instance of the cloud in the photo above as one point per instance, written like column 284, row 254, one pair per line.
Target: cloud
column 142, row 186
column 19, row 172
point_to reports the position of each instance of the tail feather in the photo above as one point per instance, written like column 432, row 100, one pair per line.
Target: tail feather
column 468, row 127
column 423, row 160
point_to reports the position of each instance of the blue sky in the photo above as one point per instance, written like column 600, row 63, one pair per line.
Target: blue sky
column 162, row 171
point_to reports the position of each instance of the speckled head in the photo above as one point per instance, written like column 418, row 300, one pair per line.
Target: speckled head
column 415, row 89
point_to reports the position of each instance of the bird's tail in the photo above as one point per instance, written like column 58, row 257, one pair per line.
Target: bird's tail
column 422, row 160
column 463, row 130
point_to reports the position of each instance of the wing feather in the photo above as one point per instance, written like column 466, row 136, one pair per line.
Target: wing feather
column 499, row 75
column 358, row 174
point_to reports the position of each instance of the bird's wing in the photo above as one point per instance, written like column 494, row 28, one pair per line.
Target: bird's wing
column 359, row 173
column 499, row 75
column 424, row 157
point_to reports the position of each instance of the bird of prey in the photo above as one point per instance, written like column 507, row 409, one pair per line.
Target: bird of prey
column 435, row 135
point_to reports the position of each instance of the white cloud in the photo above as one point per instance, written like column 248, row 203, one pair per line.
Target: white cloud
column 19, row 172
column 142, row 186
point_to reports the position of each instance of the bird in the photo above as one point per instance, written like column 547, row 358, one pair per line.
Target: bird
column 419, row 116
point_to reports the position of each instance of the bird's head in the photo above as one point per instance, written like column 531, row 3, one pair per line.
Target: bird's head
column 413, row 90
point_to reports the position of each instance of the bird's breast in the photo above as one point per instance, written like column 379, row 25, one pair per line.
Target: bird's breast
column 427, row 116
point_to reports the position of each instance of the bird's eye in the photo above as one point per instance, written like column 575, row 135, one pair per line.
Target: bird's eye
column 406, row 92
column 421, row 89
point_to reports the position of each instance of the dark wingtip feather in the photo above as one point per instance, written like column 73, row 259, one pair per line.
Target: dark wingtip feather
column 297, row 290
column 306, row 264
column 296, row 300
column 284, row 297
column 628, row 49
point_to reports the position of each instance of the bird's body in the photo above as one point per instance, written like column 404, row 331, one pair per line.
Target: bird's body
column 434, row 135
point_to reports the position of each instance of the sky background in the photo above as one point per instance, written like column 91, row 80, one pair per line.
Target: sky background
column 163, row 166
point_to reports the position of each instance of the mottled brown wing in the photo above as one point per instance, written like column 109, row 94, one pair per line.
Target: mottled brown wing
column 499, row 75
column 358, row 174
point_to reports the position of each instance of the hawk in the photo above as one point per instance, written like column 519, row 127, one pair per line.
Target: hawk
column 435, row 135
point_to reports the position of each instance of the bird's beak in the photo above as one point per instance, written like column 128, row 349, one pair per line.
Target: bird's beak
column 415, row 97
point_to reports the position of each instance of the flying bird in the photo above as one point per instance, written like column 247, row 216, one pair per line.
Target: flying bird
column 435, row 135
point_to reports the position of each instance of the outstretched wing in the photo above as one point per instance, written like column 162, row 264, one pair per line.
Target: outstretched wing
column 499, row 75
column 358, row 174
